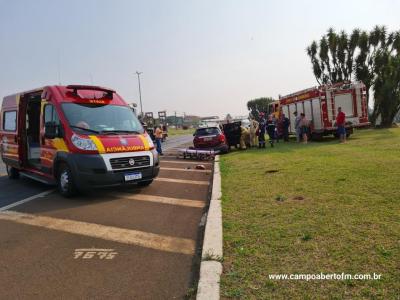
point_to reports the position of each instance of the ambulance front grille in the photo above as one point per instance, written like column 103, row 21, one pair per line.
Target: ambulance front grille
column 123, row 162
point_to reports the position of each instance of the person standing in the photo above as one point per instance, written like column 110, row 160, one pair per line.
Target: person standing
column 261, row 131
column 271, row 130
column 340, row 122
column 159, row 135
column 285, row 125
column 253, row 133
column 279, row 127
column 297, row 126
column 304, row 127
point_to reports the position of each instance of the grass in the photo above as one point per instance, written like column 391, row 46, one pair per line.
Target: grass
column 177, row 132
column 321, row 207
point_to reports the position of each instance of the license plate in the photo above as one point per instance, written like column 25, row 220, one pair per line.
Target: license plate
column 133, row 176
column 207, row 139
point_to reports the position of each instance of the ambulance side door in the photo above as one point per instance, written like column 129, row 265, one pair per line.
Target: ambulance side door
column 48, row 147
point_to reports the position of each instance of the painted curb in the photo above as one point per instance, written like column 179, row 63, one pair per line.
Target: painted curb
column 211, row 268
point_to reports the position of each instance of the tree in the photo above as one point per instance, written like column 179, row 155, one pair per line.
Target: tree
column 258, row 105
column 370, row 57
column 332, row 59
column 387, row 81
column 369, row 45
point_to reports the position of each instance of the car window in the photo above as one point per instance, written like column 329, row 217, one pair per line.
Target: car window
column 207, row 131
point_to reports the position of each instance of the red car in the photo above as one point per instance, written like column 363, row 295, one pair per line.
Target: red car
column 210, row 138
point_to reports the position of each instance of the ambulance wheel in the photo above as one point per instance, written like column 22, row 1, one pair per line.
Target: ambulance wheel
column 145, row 183
column 12, row 173
column 65, row 183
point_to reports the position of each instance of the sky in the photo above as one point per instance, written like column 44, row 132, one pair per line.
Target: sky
column 205, row 57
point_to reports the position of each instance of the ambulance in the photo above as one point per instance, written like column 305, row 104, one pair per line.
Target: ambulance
column 76, row 137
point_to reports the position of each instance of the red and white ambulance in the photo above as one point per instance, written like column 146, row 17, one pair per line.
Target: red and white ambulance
column 77, row 137
column 320, row 105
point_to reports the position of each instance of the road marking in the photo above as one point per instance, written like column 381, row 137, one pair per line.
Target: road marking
column 109, row 233
column 182, row 181
column 163, row 200
column 40, row 195
column 185, row 170
column 186, row 162
column 95, row 253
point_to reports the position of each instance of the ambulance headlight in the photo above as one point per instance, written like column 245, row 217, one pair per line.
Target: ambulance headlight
column 151, row 144
column 83, row 144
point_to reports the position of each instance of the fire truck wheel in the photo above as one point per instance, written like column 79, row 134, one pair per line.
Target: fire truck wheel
column 12, row 173
column 65, row 184
column 316, row 136
column 145, row 183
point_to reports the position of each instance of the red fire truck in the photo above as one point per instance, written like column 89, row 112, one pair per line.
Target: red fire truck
column 320, row 106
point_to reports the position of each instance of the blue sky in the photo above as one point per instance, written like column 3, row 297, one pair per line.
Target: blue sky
column 199, row 57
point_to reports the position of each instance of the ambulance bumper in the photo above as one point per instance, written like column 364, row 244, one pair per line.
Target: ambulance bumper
column 90, row 171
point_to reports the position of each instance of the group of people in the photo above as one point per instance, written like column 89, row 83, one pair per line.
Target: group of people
column 276, row 128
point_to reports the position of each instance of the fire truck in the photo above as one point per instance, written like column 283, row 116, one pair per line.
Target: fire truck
column 320, row 105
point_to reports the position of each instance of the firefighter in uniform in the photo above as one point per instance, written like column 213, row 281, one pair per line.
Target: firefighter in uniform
column 253, row 133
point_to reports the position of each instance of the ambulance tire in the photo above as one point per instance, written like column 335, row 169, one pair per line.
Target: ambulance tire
column 145, row 183
column 12, row 173
column 65, row 182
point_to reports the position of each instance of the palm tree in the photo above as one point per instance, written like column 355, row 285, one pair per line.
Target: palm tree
column 332, row 58
column 369, row 46
column 386, row 82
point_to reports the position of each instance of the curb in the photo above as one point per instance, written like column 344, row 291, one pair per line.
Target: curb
column 211, row 266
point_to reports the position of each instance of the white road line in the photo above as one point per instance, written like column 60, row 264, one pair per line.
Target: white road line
column 109, row 233
column 185, row 162
column 164, row 200
column 185, row 170
column 182, row 181
column 26, row 200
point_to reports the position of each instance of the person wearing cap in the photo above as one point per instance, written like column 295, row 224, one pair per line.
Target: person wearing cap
column 297, row 126
column 340, row 122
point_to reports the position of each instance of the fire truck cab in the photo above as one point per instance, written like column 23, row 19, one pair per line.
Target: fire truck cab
column 76, row 137
column 320, row 104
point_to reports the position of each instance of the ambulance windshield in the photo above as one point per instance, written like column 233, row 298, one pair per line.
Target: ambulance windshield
column 101, row 119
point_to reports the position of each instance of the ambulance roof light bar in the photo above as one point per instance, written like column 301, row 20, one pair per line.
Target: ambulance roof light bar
column 75, row 88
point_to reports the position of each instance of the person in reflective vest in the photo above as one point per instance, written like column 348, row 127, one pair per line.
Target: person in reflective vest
column 158, row 133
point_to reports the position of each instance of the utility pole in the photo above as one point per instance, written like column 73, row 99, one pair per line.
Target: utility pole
column 140, row 92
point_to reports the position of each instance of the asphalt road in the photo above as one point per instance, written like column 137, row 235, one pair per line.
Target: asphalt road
column 128, row 243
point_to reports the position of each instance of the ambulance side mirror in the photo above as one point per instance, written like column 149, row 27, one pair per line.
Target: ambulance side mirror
column 50, row 130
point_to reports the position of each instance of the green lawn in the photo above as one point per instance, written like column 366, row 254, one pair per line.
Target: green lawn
column 322, row 207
